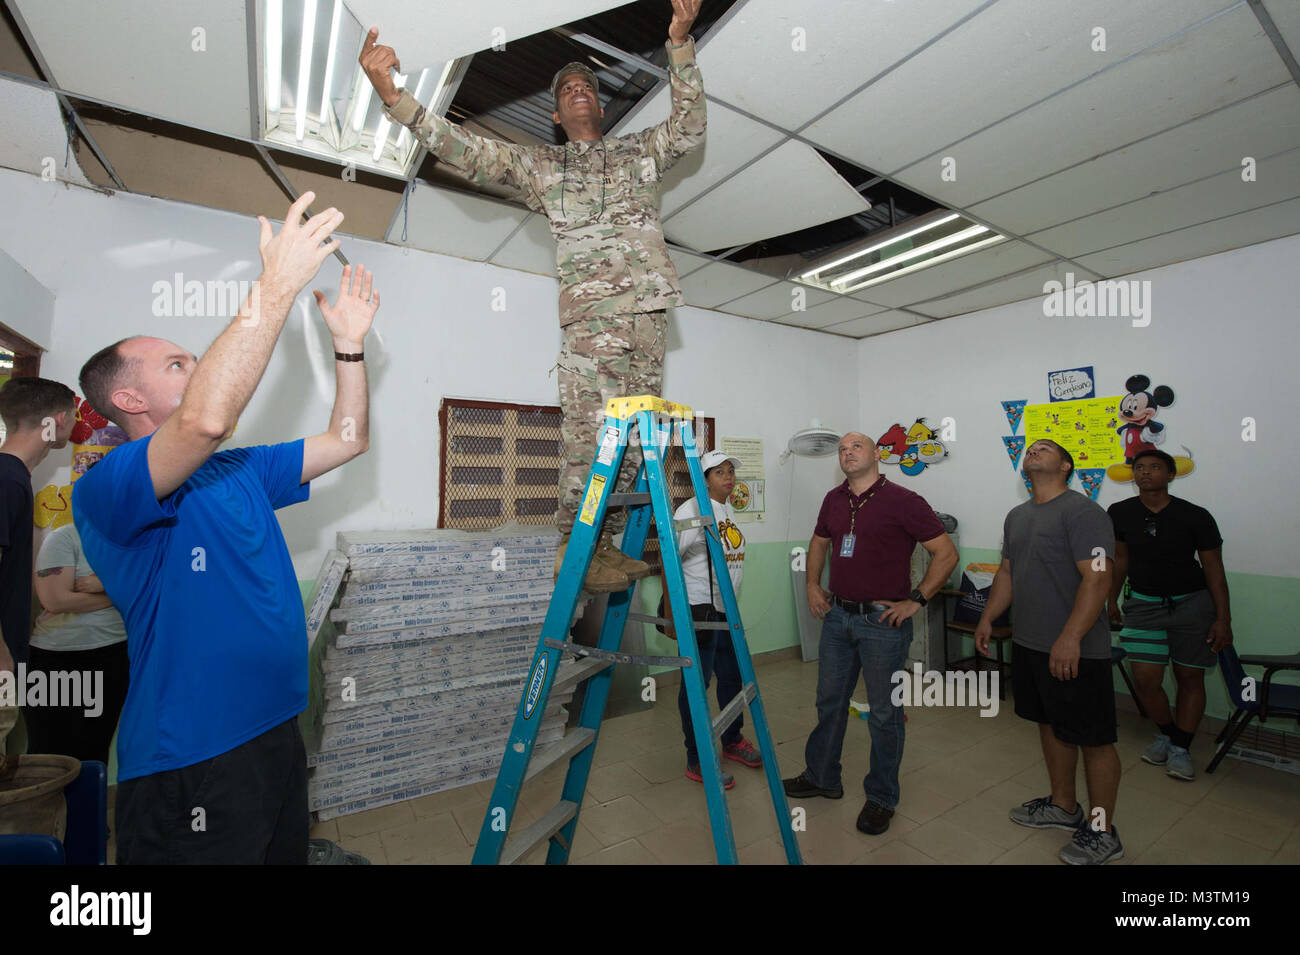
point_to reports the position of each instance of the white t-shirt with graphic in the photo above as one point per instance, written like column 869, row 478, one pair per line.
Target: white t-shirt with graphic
column 694, row 552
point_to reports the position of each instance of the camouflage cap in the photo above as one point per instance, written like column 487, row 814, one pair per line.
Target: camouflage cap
column 568, row 70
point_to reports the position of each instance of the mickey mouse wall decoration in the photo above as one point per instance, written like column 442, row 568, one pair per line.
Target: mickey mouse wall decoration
column 1140, row 431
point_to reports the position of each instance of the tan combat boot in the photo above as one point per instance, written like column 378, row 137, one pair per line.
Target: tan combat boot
column 601, row 578
column 611, row 556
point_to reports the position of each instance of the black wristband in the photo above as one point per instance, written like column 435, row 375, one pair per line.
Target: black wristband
column 359, row 356
column 917, row 596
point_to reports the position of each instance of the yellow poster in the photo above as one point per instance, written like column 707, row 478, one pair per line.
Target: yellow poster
column 1086, row 427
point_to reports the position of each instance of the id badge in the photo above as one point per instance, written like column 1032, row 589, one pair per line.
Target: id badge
column 846, row 545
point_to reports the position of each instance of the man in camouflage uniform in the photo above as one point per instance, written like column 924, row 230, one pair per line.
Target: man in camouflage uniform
column 601, row 197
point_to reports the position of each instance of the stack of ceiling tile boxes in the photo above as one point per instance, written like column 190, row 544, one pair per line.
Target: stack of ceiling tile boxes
column 433, row 634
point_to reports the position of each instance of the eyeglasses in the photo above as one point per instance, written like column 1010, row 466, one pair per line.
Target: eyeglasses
column 1150, row 526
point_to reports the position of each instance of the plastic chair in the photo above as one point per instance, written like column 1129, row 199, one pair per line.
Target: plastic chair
column 1270, row 701
column 85, row 839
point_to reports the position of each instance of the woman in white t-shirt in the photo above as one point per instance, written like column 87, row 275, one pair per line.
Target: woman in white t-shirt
column 716, row 650
column 79, row 632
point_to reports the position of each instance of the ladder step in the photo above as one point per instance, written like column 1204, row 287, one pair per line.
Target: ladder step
column 537, row 833
column 628, row 498
column 664, row 621
column 732, row 709
column 573, row 672
column 686, row 523
column 546, row 756
column 613, row 657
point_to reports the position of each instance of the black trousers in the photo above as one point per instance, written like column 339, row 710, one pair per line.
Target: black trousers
column 247, row 806
column 67, row 730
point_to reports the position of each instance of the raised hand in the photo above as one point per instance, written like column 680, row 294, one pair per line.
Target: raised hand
column 349, row 318
column 291, row 258
column 377, row 62
column 684, row 14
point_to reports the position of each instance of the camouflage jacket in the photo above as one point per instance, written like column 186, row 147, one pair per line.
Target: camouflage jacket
column 601, row 198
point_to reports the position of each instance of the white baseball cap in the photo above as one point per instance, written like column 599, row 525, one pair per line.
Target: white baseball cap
column 711, row 459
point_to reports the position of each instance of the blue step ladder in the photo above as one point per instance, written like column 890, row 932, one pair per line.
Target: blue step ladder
column 655, row 419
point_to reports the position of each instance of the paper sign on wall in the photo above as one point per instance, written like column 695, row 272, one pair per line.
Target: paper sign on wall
column 1070, row 384
column 749, row 496
column 1086, row 428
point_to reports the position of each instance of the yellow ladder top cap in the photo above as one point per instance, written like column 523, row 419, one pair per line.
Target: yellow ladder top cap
column 624, row 408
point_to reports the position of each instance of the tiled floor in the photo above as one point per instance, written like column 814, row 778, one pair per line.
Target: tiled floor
column 961, row 775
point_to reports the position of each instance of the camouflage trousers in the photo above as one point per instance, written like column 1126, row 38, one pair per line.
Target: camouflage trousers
column 602, row 358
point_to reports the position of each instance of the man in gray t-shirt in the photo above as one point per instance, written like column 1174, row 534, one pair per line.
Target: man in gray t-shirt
column 1055, row 575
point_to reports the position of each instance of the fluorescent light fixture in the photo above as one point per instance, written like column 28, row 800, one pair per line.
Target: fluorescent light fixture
column 929, row 262
column 274, row 19
column 317, row 106
column 944, row 235
column 879, row 245
column 329, row 60
column 304, row 70
column 907, row 256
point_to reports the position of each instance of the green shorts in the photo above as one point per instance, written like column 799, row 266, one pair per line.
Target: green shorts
column 1154, row 632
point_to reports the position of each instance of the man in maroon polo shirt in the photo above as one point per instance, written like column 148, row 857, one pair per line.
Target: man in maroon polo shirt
column 870, row 526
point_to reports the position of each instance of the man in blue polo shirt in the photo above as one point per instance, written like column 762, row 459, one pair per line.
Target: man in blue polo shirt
column 211, row 766
column 870, row 526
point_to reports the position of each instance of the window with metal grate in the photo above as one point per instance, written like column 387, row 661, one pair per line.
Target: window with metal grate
column 500, row 463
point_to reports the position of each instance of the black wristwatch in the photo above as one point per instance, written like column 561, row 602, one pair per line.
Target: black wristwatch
column 918, row 597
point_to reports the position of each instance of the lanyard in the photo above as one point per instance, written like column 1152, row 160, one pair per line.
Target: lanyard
column 854, row 508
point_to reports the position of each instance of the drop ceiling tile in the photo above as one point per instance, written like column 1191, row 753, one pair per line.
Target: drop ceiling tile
column 959, row 273
column 1286, row 17
column 1008, row 56
column 531, row 249
column 1223, row 195
column 1246, row 228
column 32, row 135
column 423, row 36
column 1260, row 126
column 140, row 54
column 1013, row 288
column 1216, row 64
column 814, row 53
column 789, row 189
column 718, row 283
column 874, row 324
column 841, row 308
column 777, row 301
column 685, row 262
column 455, row 223
column 730, row 141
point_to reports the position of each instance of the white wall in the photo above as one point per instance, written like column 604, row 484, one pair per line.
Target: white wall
column 436, row 335
column 28, row 306
column 1223, row 335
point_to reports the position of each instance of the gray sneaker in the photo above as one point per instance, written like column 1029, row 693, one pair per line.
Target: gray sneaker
column 1157, row 754
column 1042, row 813
column 1180, row 764
column 1089, row 847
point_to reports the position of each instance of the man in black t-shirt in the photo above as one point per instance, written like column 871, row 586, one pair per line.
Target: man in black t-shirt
column 38, row 415
column 1176, row 609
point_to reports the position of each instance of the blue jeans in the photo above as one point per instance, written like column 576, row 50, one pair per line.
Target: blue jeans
column 716, row 652
column 851, row 643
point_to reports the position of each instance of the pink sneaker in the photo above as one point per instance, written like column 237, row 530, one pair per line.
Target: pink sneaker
column 743, row 751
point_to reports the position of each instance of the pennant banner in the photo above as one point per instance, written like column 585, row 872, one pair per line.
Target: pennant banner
column 1090, row 480
column 1015, row 411
column 1015, row 446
